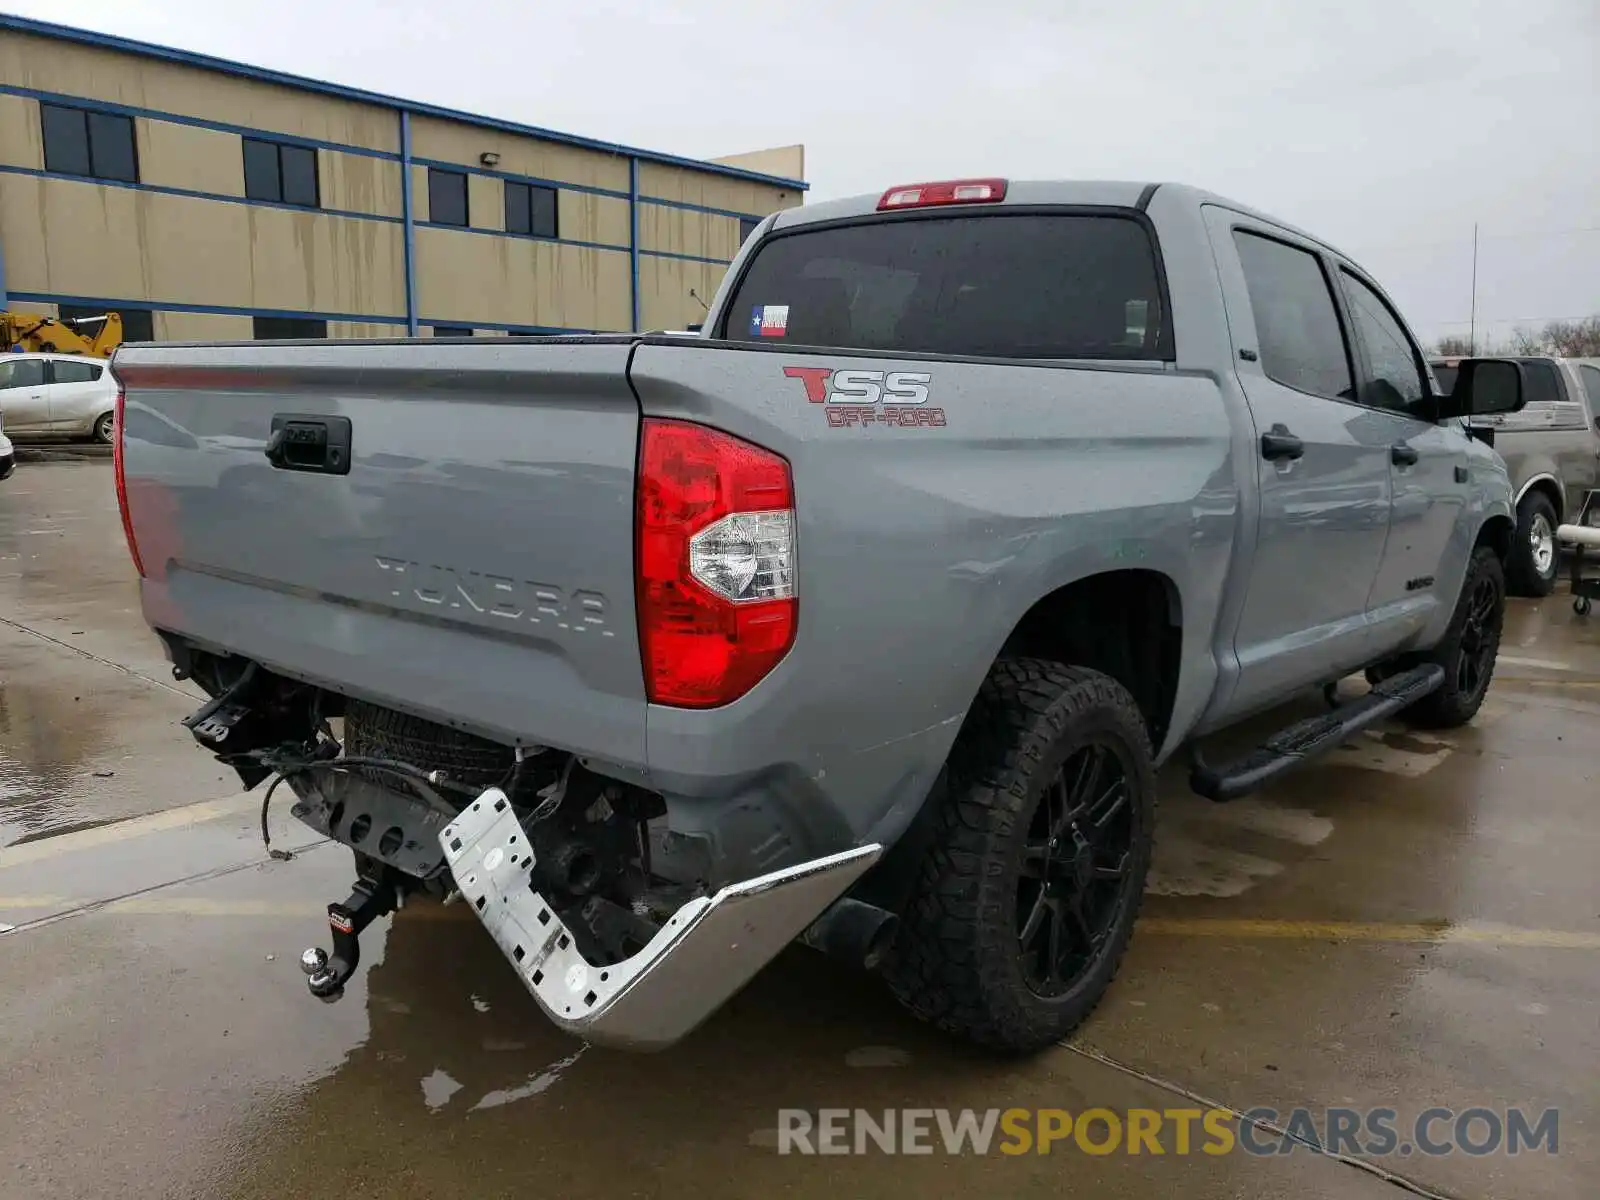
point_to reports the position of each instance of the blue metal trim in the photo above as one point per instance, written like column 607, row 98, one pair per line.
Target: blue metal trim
column 523, row 237
column 189, row 193
column 538, row 180
column 223, row 310
column 235, row 311
column 699, row 258
column 154, row 114
column 409, row 220
column 507, row 327
column 703, row 208
column 633, row 238
column 207, row 62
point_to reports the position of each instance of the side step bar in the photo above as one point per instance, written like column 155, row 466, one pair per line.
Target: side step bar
column 1304, row 740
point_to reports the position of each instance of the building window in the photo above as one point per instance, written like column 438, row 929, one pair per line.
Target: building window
column 440, row 331
column 280, row 174
column 138, row 324
column 530, row 208
column 96, row 145
column 269, row 329
column 447, row 197
column 747, row 226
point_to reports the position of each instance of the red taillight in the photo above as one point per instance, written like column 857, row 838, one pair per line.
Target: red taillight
column 951, row 191
column 122, row 481
column 717, row 605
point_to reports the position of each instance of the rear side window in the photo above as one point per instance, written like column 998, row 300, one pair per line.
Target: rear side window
column 1297, row 326
column 1032, row 285
column 1541, row 386
column 75, row 372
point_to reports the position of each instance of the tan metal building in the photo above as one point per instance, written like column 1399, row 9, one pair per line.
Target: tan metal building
column 208, row 200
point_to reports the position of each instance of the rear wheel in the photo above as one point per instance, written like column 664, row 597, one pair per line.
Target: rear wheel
column 1534, row 563
column 1027, row 896
column 104, row 428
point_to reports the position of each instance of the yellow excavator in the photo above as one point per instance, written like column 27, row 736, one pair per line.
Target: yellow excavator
column 40, row 334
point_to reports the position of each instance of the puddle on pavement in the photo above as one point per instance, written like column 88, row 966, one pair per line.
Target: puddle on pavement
column 42, row 756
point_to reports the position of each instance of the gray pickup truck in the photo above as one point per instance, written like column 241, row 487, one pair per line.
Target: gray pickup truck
column 1551, row 450
column 862, row 618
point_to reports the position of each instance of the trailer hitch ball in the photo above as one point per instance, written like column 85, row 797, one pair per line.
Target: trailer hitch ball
column 373, row 896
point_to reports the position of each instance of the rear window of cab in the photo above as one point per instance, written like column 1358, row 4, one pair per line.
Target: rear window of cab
column 995, row 285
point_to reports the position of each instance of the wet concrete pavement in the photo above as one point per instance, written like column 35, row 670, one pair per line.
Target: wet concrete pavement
column 1414, row 922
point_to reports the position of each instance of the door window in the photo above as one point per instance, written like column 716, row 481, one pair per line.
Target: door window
column 74, row 372
column 22, row 373
column 1397, row 379
column 1297, row 324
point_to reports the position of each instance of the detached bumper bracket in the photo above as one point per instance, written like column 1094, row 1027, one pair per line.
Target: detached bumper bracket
column 708, row 950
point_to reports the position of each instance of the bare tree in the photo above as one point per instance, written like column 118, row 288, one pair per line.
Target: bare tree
column 1562, row 339
column 1527, row 342
column 1453, row 346
column 1574, row 339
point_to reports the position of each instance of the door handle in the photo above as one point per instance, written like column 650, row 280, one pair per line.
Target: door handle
column 1278, row 445
column 1402, row 455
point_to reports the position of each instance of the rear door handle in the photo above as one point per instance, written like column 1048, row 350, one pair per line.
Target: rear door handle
column 1402, row 455
column 320, row 445
column 1279, row 445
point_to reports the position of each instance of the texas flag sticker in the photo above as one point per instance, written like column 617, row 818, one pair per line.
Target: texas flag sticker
column 769, row 320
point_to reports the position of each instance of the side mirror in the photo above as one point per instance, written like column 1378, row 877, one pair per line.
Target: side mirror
column 695, row 328
column 1485, row 387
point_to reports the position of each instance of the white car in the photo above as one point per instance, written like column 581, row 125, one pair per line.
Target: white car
column 57, row 395
column 8, row 460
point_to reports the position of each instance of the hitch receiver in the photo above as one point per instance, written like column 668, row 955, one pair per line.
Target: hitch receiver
column 373, row 896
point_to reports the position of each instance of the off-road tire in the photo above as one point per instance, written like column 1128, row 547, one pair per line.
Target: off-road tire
column 1450, row 706
column 956, row 961
column 1522, row 573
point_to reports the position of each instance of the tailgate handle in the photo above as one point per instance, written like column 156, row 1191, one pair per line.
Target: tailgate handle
column 310, row 443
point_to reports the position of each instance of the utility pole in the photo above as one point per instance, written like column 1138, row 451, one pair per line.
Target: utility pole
column 1472, row 329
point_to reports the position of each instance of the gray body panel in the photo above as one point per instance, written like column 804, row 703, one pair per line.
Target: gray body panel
column 919, row 547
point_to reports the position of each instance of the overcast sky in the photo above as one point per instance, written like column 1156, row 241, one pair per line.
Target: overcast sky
column 1387, row 128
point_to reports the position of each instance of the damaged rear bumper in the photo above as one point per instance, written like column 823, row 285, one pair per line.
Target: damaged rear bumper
column 709, row 949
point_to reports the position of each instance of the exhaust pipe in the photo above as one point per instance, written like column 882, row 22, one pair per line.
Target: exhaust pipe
column 857, row 932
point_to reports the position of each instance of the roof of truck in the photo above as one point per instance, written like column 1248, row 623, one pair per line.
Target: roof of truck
column 1091, row 192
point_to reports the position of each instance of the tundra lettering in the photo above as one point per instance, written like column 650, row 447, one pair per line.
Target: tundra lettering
column 498, row 596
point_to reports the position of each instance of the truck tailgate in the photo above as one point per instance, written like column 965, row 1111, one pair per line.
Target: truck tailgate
column 475, row 564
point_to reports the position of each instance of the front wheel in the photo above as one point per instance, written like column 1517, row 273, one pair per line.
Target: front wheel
column 1027, row 896
column 1469, row 647
column 1534, row 562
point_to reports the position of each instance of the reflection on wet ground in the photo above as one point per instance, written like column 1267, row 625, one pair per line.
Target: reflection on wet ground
column 1414, row 921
